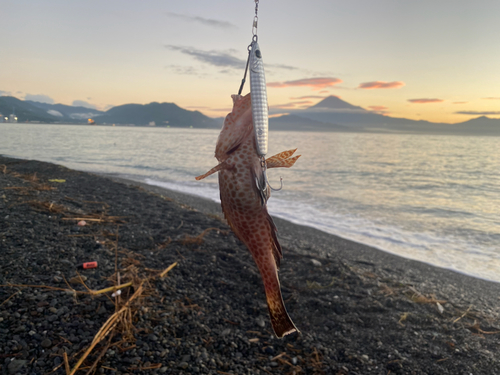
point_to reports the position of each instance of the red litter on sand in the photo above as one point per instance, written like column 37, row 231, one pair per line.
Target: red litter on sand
column 82, row 223
column 87, row 265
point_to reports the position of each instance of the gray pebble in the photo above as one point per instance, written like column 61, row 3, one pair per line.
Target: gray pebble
column 52, row 318
column 46, row 343
column 316, row 263
column 260, row 322
column 16, row 365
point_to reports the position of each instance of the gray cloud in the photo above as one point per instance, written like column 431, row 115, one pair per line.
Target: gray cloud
column 215, row 58
column 204, row 21
column 282, row 66
column 82, row 103
column 221, row 59
column 39, row 98
column 475, row 113
column 3, row 93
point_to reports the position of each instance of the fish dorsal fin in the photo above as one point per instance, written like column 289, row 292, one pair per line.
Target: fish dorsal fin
column 282, row 160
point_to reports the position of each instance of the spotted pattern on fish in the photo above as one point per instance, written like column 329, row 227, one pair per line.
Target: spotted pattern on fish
column 240, row 174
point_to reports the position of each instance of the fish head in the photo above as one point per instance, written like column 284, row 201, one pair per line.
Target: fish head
column 237, row 127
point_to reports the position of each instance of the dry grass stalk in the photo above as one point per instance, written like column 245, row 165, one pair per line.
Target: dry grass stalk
column 403, row 317
column 164, row 244
column 91, row 369
column 48, row 206
column 120, row 321
column 316, row 285
column 30, row 177
column 153, row 366
column 111, row 289
column 167, row 270
column 123, row 317
column 7, row 300
column 98, row 218
column 66, row 363
column 71, row 290
column 118, row 317
column 189, row 240
column 417, row 297
column 43, row 187
column 479, row 330
column 464, row 314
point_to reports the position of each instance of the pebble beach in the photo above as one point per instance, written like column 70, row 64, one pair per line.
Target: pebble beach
column 175, row 292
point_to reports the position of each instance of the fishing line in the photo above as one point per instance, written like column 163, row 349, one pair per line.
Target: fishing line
column 249, row 48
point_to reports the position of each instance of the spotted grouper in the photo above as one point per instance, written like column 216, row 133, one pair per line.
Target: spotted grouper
column 244, row 193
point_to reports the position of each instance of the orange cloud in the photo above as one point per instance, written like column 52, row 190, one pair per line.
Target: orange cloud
column 312, row 97
column 278, row 115
column 293, row 104
column 381, row 85
column 377, row 107
column 491, row 98
column 425, row 100
column 460, row 102
column 315, row 83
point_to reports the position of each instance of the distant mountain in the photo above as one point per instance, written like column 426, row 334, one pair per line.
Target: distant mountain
column 335, row 103
column 67, row 112
column 24, row 111
column 331, row 114
column 162, row 114
column 333, row 110
column 482, row 123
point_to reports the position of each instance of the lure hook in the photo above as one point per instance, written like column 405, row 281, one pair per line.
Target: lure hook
column 264, row 171
column 268, row 184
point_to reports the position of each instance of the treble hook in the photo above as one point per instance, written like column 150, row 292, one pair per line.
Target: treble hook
column 264, row 171
column 268, row 184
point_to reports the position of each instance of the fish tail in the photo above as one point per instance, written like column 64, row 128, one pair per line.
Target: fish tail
column 280, row 320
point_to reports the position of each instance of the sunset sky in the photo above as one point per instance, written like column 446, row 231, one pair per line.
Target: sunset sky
column 431, row 60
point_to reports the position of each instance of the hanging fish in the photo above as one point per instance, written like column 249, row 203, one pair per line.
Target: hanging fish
column 244, row 193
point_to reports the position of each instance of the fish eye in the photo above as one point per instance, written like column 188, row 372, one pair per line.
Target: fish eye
column 258, row 54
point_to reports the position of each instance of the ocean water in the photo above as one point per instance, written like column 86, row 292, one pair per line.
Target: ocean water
column 433, row 198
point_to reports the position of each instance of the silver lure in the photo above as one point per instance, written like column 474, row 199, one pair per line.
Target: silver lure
column 258, row 94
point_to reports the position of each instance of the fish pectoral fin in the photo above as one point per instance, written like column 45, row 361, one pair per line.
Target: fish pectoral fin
column 282, row 160
column 217, row 168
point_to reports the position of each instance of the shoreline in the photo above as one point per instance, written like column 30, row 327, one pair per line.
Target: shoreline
column 410, row 270
column 360, row 311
